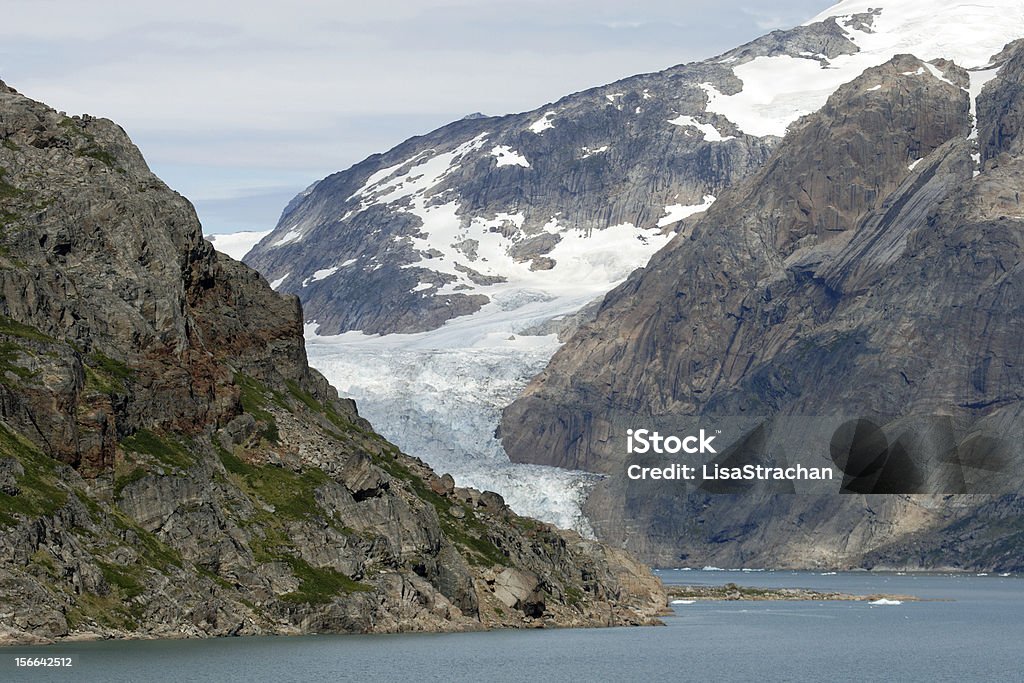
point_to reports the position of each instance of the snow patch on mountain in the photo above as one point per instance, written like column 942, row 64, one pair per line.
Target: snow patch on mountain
column 293, row 235
column 588, row 152
column 978, row 79
column 543, row 123
column 506, row 156
column 413, row 177
column 677, row 212
column 321, row 274
column 711, row 134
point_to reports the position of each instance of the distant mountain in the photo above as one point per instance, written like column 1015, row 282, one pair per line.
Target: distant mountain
column 585, row 189
column 498, row 211
column 872, row 269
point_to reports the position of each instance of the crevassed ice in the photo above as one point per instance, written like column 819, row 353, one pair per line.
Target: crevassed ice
column 442, row 402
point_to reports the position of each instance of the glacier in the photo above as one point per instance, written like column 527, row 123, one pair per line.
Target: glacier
column 444, row 404
column 439, row 395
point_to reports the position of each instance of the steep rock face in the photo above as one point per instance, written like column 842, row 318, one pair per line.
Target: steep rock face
column 445, row 223
column 170, row 465
column 867, row 270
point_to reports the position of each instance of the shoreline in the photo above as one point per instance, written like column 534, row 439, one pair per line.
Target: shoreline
column 821, row 571
column 13, row 639
column 733, row 592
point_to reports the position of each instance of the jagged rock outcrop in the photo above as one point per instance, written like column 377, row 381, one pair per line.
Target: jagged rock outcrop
column 872, row 268
column 171, row 466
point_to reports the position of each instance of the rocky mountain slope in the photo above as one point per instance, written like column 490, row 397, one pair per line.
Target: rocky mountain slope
column 871, row 269
column 562, row 200
column 171, row 466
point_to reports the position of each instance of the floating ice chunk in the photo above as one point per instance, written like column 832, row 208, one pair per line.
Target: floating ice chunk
column 885, row 601
column 683, row 602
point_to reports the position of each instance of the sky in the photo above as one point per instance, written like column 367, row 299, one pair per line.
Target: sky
column 241, row 105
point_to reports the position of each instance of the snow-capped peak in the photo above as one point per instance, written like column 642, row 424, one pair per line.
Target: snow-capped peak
column 778, row 90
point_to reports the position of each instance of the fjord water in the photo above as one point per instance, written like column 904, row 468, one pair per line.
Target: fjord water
column 969, row 629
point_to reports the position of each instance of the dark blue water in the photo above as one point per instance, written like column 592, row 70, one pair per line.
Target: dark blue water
column 973, row 631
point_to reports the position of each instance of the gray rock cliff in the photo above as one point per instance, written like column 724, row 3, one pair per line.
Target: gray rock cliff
column 871, row 268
